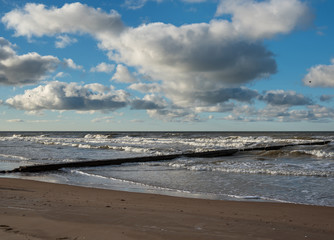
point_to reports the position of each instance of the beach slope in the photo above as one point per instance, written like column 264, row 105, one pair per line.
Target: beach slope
column 35, row 210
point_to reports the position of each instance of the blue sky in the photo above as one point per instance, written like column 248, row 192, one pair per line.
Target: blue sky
column 228, row 65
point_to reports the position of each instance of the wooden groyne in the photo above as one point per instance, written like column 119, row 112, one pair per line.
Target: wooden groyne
column 277, row 147
column 119, row 161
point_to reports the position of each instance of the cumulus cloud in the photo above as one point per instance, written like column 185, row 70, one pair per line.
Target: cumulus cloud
column 69, row 96
column 123, row 74
column 146, row 87
column 60, row 75
column 202, row 57
column 265, row 19
column 320, row 76
column 103, row 67
column 314, row 113
column 140, row 104
column 223, row 95
column 220, row 107
column 322, row 113
column 37, row 20
column 23, row 69
column 214, row 101
column 174, row 115
column 192, row 55
column 149, row 102
column 107, row 119
column 137, row 120
column 6, row 49
column 207, row 97
column 189, row 58
column 64, row 40
column 198, row 67
column 289, row 98
column 68, row 62
column 326, row 97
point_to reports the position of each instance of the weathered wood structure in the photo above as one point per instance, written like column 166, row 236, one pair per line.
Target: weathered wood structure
column 119, row 161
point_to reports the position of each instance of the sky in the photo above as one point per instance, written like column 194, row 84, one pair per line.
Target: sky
column 167, row 65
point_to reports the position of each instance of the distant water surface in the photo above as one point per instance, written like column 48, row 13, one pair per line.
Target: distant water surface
column 298, row 174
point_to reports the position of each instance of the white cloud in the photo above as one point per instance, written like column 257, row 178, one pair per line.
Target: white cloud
column 122, row 74
column 137, row 121
column 103, row 67
column 320, row 76
column 6, row 49
column 267, row 18
column 134, row 4
column 60, row 75
column 206, row 56
column 326, row 97
column 289, row 98
column 174, row 115
column 322, row 113
column 23, row 69
column 241, row 94
column 198, row 67
column 35, row 113
column 149, row 102
column 64, row 40
column 314, row 113
column 192, row 57
column 146, row 87
column 220, row 107
column 69, row 96
column 192, row 54
column 68, row 62
column 106, row 119
column 37, row 20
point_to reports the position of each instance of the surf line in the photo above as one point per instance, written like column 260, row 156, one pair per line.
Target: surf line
column 119, row 161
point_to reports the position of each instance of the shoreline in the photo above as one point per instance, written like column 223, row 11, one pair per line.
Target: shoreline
column 165, row 192
column 39, row 210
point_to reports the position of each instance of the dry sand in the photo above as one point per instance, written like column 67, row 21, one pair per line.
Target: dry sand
column 35, row 210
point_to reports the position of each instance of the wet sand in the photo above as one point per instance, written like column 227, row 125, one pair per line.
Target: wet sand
column 34, row 210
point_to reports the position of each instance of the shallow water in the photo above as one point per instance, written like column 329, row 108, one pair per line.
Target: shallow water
column 298, row 174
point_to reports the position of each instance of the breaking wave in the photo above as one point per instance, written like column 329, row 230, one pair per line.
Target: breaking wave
column 246, row 168
column 316, row 153
column 13, row 157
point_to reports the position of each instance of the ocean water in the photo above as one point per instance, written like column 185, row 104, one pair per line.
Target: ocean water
column 297, row 174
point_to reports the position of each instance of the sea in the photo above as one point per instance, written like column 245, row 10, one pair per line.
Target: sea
column 302, row 174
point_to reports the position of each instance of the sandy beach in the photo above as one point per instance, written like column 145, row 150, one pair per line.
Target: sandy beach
column 35, row 210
